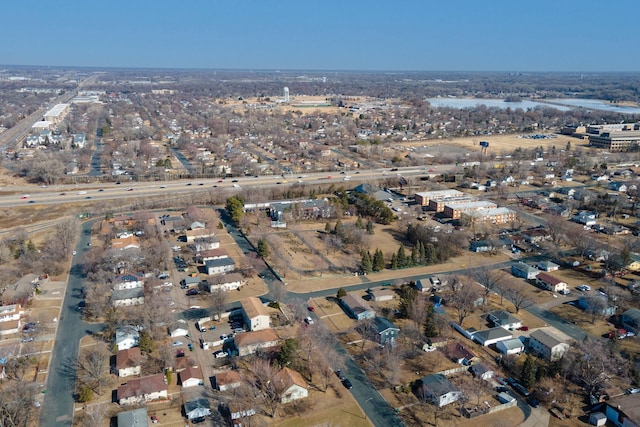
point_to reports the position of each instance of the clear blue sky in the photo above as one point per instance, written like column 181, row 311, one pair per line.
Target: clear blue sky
column 466, row 35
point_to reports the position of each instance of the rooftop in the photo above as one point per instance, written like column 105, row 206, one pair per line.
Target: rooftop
column 256, row 337
column 253, row 307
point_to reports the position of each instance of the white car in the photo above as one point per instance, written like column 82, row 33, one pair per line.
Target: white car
column 176, row 343
column 220, row 354
column 75, row 253
column 309, row 320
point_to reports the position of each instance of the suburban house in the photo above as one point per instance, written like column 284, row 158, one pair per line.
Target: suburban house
column 510, row 346
column 212, row 254
column 219, row 266
column 547, row 345
column 197, row 409
column 128, row 281
column 439, row 390
column 480, row 370
column 225, row 282
column 199, row 233
column 550, row 283
column 630, row 320
column 10, row 319
column 622, row 411
column 179, row 329
column 521, row 269
column 585, row 218
column 129, row 242
column 536, row 235
column 191, row 377
column 491, row 336
column 597, row 304
column 127, row 337
column 380, row 294
column 294, row 387
column 356, row 307
column 255, row 314
column 387, row 332
column 481, row 246
column 127, row 297
column 504, row 319
column 134, row 418
column 190, row 282
column 143, row 389
column 128, row 362
column 227, row 380
column 460, row 354
column 202, row 244
column 547, row 266
column 250, row 342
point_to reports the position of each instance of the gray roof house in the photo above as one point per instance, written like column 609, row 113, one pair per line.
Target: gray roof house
column 387, row 331
column 504, row 319
column 439, row 390
column 480, row 370
column 546, row 345
column 356, row 307
column 520, row 269
column 491, row 336
column 510, row 346
column 220, row 265
column 197, row 409
column 547, row 266
column 630, row 320
column 134, row 418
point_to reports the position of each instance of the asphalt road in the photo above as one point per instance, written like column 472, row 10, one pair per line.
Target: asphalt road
column 57, row 408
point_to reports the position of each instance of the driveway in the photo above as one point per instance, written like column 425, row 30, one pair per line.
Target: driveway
column 57, row 408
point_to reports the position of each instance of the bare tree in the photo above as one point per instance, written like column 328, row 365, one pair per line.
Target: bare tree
column 218, row 299
column 463, row 299
column 17, row 404
column 489, row 279
column 93, row 367
column 519, row 295
column 262, row 380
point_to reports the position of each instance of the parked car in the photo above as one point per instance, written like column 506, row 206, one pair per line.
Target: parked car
column 220, row 354
column 520, row 389
column 523, row 328
column 533, row 402
column 176, row 343
column 211, row 328
column 311, row 308
column 308, row 320
column 564, row 291
column 632, row 390
column 347, row 383
column 584, row 288
column 340, row 374
column 27, row 339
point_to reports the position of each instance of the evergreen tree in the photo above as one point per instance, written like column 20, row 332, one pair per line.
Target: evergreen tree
column 378, row 260
column 327, row 228
column 528, row 375
column 338, row 229
column 394, row 262
column 401, row 257
column 288, row 351
column 430, row 329
column 414, row 256
column 341, row 293
column 430, row 255
column 235, row 208
column 369, row 226
column 421, row 253
column 407, row 295
column 366, row 263
column 359, row 224
column 263, row 247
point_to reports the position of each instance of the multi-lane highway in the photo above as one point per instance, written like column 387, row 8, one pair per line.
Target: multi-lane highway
column 57, row 194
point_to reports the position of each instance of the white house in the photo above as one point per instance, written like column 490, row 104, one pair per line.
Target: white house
column 179, row 329
column 228, row 380
column 128, row 281
column 551, row 283
column 547, row 345
column 439, row 390
column 255, row 314
column 127, row 337
column 480, row 370
column 294, row 385
column 511, row 346
column 191, row 377
column 128, row 362
column 127, row 297
column 225, row 282
column 145, row 389
column 504, row 319
column 547, row 266
column 10, row 313
column 521, row 269
column 491, row 336
column 219, row 265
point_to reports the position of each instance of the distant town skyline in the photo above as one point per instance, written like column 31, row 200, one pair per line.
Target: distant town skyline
column 409, row 35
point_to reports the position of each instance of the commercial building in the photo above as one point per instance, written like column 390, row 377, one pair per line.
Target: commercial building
column 425, row 197
column 57, row 113
column 455, row 211
column 615, row 139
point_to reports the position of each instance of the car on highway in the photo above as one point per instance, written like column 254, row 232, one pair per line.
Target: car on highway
column 31, row 201
column 163, row 186
column 101, row 190
column 347, row 384
column 63, row 194
column 584, row 288
column 88, row 197
column 188, row 184
column 236, row 186
column 130, row 189
column 25, row 196
column 234, row 180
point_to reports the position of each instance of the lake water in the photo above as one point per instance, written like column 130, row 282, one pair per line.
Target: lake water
column 567, row 104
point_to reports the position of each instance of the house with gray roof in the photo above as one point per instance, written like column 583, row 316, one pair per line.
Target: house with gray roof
column 510, row 346
column 630, row 320
column 504, row 319
column 438, row 389
column 356, row 307
column 547, row 345
column 134, row 418
column 521, row 269
column 491, row 336
column 387, row 332
column 219, row 266
column 197, row 409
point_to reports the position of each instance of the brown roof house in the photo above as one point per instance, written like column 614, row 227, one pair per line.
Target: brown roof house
column 145, row 389
column 460, row 354
column 130, row 242
column 293, row 386
column 250, row 342
column 550, row 283
column 228, row 380
column 128, row 362
column 255, row 314
column 191, row 377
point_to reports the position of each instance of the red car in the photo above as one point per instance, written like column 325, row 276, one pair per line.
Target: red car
column 523, row 328
column 311, row 308
column 154, row 419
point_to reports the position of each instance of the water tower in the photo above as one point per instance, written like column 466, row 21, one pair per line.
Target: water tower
column 286, row 94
